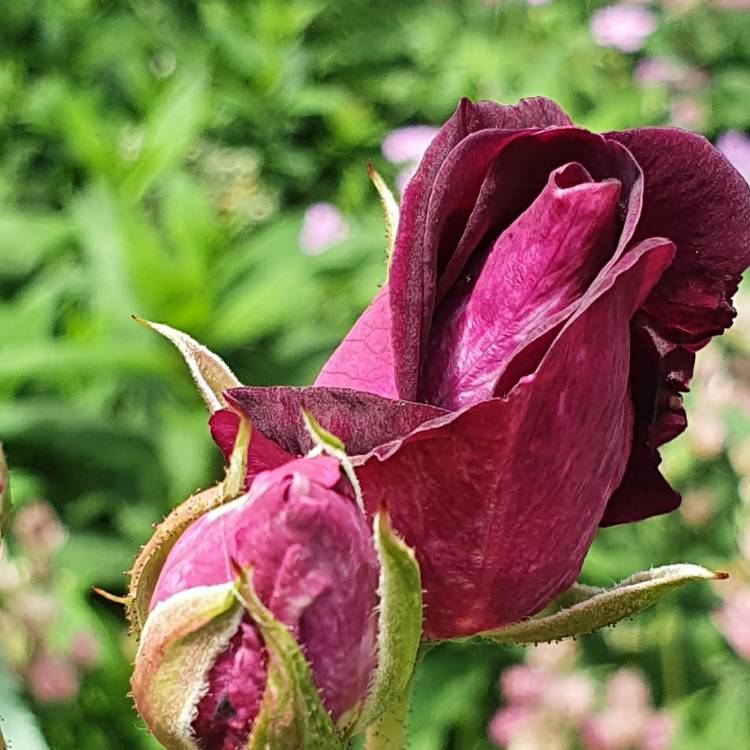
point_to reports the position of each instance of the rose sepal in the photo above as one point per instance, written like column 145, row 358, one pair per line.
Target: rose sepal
column 179, row 643
column 150, row 560
column 594, row 608
column 292, row 715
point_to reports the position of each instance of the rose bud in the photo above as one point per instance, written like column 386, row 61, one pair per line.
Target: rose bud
column 202, row 667
column 507, row 390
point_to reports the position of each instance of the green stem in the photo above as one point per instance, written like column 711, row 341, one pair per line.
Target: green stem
column 389, row 731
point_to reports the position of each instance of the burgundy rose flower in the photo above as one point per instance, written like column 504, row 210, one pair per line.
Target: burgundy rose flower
column 312, row 563
column 506, row 391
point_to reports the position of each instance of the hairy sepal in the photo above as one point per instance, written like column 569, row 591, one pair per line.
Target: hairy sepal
column 211, row 374
column 399, row 624
column 292, row 715
column 597, row 608
column 150, row 561
column 390, row 209
column 180, row 642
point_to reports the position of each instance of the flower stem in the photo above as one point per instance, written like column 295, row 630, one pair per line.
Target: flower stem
column 389, row 731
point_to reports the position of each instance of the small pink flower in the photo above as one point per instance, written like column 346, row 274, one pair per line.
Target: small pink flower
column 38, row 529
column 84, row 649
column 613, row 729
column 51, row 678
column 507, row 723
column 663, row 71
column 523, row 685
column 659, row 731
column 736, row 147
column 624, row 27
column 408, row 144
column 570, row 697
column 322, row 227
column 733, row 619
column 627, row 690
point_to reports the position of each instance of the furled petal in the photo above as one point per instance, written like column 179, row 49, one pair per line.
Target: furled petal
column 697, row 199
column 501, row 501
column 536, row 271
column 360, row 420
column 411, row 272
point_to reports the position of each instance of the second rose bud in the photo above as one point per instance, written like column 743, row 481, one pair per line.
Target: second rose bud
column 308, row 552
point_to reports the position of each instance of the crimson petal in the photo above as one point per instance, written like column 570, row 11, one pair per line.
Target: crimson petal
column 501, row 500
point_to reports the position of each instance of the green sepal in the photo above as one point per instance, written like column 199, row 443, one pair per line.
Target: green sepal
column 292, row 715
column 179, row 644
column 150, row 560
column 326, row 442
column 4, row 493
column 390, row 209
column 211, row 374
column 597, row 608
column 399, row 625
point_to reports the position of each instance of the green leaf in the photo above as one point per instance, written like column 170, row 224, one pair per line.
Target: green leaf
column 210, row 373
column 399, row 625
column 4, row 492
column 18, row 722
column 292, row 716
column 604, row 607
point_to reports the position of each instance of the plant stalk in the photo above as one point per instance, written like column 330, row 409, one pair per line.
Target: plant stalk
column 389, row 731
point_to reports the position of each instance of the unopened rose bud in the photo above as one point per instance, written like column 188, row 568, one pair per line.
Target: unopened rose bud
column 202, row 673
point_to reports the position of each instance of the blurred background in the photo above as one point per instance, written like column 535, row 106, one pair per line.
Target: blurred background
column 203, row 164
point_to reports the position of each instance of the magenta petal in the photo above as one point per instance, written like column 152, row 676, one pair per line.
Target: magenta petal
column 361, row 420
column 363, row 361
column 409, row 275
column 501, row 501
column 537, row 270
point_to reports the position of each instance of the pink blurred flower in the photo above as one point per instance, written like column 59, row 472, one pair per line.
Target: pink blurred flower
column 624, row 27
column 627, row 690
column 84, row 649
column 570, row 697
column 663, row 71
column 736, row 147
column 52, row 678
column 523, row 685
column 733, row 619
column 507, row 723
column 687, row 113
column 408, row 144
column 659, row 731
column 38, row 529
column 322, row 226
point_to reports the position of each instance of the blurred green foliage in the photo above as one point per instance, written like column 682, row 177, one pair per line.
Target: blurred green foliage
column 156, row 158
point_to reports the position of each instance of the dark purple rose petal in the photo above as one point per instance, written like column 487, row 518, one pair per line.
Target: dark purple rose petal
column 361, row 420
column 501, row 501
column 411, row 272
column 696, row 198
column 566, row 237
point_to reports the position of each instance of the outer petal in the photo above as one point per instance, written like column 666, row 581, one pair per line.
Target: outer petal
column 363, row 361
column 361, row 420
column 501, row 501
column 411, row 272
column 697, row 199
